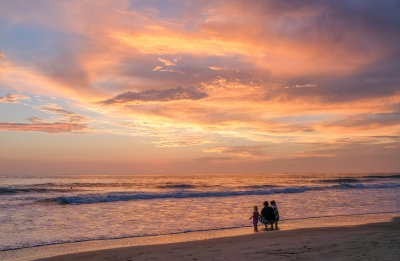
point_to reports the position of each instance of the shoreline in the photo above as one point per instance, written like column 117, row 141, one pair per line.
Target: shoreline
column 288, row 226
column 376, row 241
column 290, row 222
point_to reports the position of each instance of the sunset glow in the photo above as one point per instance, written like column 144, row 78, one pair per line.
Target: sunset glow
column 131, row 86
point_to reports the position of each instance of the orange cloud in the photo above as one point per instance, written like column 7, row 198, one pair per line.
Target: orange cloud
column 256, row 151
column 56, row 127
column 306, row 154
column 70, row 122
column 166, row 62
column 215, row 68
column 182, row 141
column 157, row 68
column 158, row 40
column 235, row 110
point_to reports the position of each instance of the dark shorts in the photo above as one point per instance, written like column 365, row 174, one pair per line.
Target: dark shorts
column 267, row 222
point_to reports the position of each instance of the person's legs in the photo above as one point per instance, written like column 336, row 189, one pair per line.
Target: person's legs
column 276, row 224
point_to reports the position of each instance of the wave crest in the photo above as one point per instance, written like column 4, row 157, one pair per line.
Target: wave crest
column 128, row 196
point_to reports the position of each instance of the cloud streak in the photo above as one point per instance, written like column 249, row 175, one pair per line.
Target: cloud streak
column 68, row 115
column 174, row 94
column 13, row 98
column 54, row 127
column 70, row 123
column 256, row 151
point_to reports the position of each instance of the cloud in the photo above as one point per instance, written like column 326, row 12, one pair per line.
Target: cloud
column 256, row 151
column 152, row 95
column 69, row 122
column 215, row 68
column 344, row 146
column 164, row 41
column 339, row 47
column 274, row 71
column 313, row 154
column 233, row 109
column 179, row 141
column 54, row 127
column 26, row 79
column 166, row 62
column 306, row 85
column 13, row 98
column 215, row 159
column 296, row 42
column 70, row 116
column 364, row 122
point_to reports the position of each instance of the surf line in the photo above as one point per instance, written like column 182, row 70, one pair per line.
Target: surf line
column 187, row 231
column 342, row 215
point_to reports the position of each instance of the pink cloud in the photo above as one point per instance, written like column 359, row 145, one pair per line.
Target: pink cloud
column 13, row 98
column 256, row 151
column 70, row 122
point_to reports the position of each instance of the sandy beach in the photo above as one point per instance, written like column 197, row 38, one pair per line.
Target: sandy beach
column 377, row 241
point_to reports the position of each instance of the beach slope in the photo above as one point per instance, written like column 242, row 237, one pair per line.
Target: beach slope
column 378, row 241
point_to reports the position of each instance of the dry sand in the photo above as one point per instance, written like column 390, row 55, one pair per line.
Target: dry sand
column 378, row 241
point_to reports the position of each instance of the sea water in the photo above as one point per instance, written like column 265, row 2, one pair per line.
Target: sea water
column 38, row 211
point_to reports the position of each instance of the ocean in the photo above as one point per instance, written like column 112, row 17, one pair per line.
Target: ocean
column 36, row 211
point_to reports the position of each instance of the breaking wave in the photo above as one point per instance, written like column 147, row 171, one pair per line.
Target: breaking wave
column 260, row 186
column 10, row 190
column 177, row 186
column 341, row 180
column 395, row 176
column 128, row 196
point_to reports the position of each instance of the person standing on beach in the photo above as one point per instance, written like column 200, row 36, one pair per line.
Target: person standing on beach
column 276, row 213
column 267, row 216
column 255, row 218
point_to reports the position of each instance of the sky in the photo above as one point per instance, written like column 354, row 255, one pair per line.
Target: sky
column 174, row 86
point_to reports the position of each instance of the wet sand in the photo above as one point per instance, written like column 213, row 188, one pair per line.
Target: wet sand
column 377, row 241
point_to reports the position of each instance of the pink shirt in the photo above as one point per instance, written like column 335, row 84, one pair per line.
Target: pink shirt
column 255, row 217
